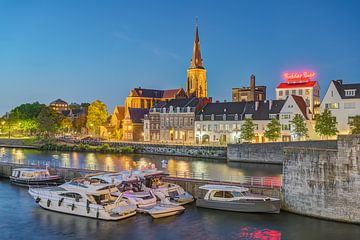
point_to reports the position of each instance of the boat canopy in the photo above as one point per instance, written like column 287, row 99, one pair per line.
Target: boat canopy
column 211, row 187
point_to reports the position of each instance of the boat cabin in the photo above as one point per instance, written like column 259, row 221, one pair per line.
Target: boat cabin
column 28, row 173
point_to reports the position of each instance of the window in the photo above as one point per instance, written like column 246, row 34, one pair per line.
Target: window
column 215, row 127
column 307, row 91
column 300, row 92
column 204, row 127
column 286, row 92
column 271, row 116
column 350, row 105
column 221, row 127
column 331, row 105
column 350, row 119
column 227, row 127
column 256, row 126
column 285, row 116
column 280, row 93
column 350, row 92
column 72, row 195
column 209, row 127
column 219, row 194
column 286, row 127
column 293, row 92
column 198, row 127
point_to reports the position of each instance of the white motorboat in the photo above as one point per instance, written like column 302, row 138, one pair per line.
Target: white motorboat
column 173, row 192
column 130, row 187
column 84, row 197
column 34, row 177
column 164, row 210
column 239, row 199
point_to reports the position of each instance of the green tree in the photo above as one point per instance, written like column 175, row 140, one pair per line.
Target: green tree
column 355, row 125
column 26, row 111
column 273, row 130
column 247, row 130
column 97, row 116
column 325, row 124
column 66, row 125
column 299, row 127
column 79, row 123
column 74, row 106
column 49, row 121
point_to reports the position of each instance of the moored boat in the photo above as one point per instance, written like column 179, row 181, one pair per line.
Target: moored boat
column 84, row 197
column 239, row 199
column 164, row 210
column 34, row 177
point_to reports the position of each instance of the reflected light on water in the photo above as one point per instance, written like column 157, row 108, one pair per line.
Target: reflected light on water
column 259, row 234
column 18, row 155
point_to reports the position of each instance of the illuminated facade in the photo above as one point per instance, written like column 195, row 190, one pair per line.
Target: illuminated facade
column 196, row 85
column 251, row 93
column 301, row 84
column 343, row 100
column 133, row 124
column 59, row 105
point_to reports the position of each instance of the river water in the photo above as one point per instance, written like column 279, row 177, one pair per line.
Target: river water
column 22, row 218
column 215, row 169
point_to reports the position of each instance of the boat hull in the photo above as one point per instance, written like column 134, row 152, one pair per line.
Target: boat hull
column 272, row 206
column 54, row 181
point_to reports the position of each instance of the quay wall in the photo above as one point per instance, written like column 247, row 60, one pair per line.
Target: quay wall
column 324, row 183
column 270, row 152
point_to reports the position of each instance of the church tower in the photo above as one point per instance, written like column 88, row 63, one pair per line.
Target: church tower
column 196, row 84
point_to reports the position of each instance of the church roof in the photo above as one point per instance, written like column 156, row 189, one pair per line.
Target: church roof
column 137, row 114
column 155, row 93
column 196, row 60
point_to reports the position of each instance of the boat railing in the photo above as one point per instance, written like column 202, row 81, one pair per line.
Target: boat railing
column 256, row 181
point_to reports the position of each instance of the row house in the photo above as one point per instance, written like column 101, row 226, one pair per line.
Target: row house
column 133, row 124
column 173, row 121
column 343, row 100
column 220, row 123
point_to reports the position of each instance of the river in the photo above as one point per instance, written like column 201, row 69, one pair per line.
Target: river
column 22, row 218
column 215, row 169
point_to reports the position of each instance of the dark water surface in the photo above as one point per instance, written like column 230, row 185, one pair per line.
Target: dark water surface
column 21, row 218
column 214, row 168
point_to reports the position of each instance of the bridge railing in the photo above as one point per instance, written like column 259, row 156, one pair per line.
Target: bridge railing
column 255, row 181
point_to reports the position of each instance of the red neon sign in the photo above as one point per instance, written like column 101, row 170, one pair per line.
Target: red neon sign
column 298, row 76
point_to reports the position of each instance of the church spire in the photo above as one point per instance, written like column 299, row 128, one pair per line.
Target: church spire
column 196, row 60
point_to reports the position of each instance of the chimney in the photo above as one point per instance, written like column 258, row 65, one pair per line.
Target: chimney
column 340, row 81
column 270, row 104
column 252, row 87
column 256, row 105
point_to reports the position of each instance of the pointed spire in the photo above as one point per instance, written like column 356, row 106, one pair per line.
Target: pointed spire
column 196, row 60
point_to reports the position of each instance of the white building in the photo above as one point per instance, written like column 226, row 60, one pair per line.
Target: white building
column 343, row 100
column 301, row 84
column 220, row 123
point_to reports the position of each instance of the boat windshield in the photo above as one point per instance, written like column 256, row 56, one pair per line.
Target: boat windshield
column 102, row 199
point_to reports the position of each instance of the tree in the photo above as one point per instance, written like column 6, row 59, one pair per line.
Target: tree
column 299, row 127
column 66, row 125
column 247, row 130
column 355, row 125
column 325, row 124
column 97, row 116
column 49, row 121
column 74, row 106
column 79, row 123
column 273, row 130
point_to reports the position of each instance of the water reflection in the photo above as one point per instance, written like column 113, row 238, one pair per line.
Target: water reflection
column 118, row 162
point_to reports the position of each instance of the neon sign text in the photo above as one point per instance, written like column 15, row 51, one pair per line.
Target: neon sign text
column 298, row 76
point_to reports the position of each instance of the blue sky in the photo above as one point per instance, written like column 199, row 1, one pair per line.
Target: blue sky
column 85, row 50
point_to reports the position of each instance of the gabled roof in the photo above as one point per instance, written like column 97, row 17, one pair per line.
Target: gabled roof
column 301, row 104
column 58, row 101
column 297, row 85
column 230, row 109
column 155, row 93
column 340, row 87
column 137, row 114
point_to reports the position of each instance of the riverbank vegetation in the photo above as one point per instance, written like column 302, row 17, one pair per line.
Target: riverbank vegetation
column 104, row 148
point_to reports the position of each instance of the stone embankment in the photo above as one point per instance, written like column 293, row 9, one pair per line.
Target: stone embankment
column 322, row 182
column 270, row 152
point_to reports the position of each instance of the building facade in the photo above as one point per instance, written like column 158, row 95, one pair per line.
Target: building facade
column 343, row 100
column 251, row 93
column 146, row 98
column 220, row 123
column 196, row 84
column 301, row 84
column 173, row 121
column 133, row 124
column 59, row 105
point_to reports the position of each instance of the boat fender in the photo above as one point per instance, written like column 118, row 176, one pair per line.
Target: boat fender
column 97, row 213
column 60, row 201
column 37, row 200
column 73, row 207
column 48, row 202
column 87, row 206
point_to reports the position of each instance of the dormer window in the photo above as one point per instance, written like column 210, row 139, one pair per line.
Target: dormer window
column 224, row 117
column 236, row 117
column 350, row 92
column 212, row 117
column 201, row 117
